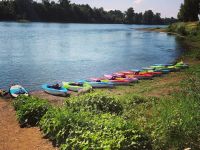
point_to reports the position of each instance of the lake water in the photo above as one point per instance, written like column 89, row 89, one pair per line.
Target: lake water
column 32, row 54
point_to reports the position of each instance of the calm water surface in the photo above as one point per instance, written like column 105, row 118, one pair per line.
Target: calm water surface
column 36, row 53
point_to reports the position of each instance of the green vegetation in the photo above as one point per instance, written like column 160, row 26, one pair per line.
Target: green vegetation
column 96, row 102
column 189, row 10
column 86, row 130
column 30, row 110
column 64, row 11
column 191, row 29
column 191, row 33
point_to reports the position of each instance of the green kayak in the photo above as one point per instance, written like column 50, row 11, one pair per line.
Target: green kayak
column 77, row 87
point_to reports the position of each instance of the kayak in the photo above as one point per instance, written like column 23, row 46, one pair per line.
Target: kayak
column 121, row 77
column 115, row 82
column 151, row 72
column 170, row 67
column 17, row 90
column 173, row 68
column 162, row 67
column 138, row 75
column 77, row 87
column 118, row 82
column 181, row 65
column 97, row 84
column 163, row 71
column 55, row 91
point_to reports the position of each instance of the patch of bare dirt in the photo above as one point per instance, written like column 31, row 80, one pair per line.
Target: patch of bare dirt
column 12, row 137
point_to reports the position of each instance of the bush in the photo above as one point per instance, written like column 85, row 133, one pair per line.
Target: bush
column 30, row 110
column 97, row 102
column 86, row 130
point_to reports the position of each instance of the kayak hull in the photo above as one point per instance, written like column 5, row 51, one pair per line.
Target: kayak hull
column 121, row 77
column 57, row 92
column 17, row 90
column 98, row 84
column 73, row 86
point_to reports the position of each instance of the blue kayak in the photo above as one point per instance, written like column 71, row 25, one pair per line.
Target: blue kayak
column 17, row 90
column 98, row 84
column 53, row 91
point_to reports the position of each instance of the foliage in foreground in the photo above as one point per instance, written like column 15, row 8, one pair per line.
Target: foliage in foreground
column 96, row 102
column 86, row 130
column 29, row 110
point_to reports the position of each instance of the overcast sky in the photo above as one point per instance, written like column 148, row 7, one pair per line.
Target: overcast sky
column 167, row 8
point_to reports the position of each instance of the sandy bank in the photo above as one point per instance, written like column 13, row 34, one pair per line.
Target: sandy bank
column 15, row 138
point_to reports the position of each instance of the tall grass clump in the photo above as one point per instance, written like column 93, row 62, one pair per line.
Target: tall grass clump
column 175, row 122
column 30, row 110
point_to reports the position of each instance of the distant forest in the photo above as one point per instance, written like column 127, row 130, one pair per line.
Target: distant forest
column 64, row 11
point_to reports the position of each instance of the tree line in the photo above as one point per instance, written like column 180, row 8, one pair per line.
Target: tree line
column 189, row 10
column 64, row 11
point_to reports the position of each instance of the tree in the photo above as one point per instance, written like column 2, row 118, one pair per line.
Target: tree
column 64, row 11
column 129, row 15
column 148, row 17
column 65, row 3
column 189, row 10
column 157, row 19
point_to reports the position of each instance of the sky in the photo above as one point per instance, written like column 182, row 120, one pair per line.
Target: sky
column 167, row 8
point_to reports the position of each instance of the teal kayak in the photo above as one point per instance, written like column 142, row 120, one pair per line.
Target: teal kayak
column 98, row 84
column 61, row 91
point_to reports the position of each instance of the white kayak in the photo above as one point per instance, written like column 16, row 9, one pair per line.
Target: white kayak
column 17, row 90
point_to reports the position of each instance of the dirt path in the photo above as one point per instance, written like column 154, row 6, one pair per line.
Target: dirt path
column 12, row 137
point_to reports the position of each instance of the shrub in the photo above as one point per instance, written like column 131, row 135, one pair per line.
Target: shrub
column 97, row 102
column 30, row 110
column 86, row 130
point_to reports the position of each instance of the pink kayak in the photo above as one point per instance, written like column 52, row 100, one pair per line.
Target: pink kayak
column 114, row 77
column 115, row 82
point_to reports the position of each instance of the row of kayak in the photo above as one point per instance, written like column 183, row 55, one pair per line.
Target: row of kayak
column 107, row 81
column 114, row 79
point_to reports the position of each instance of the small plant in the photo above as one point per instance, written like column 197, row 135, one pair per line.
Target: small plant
column 30, row 110
column 97, row 102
